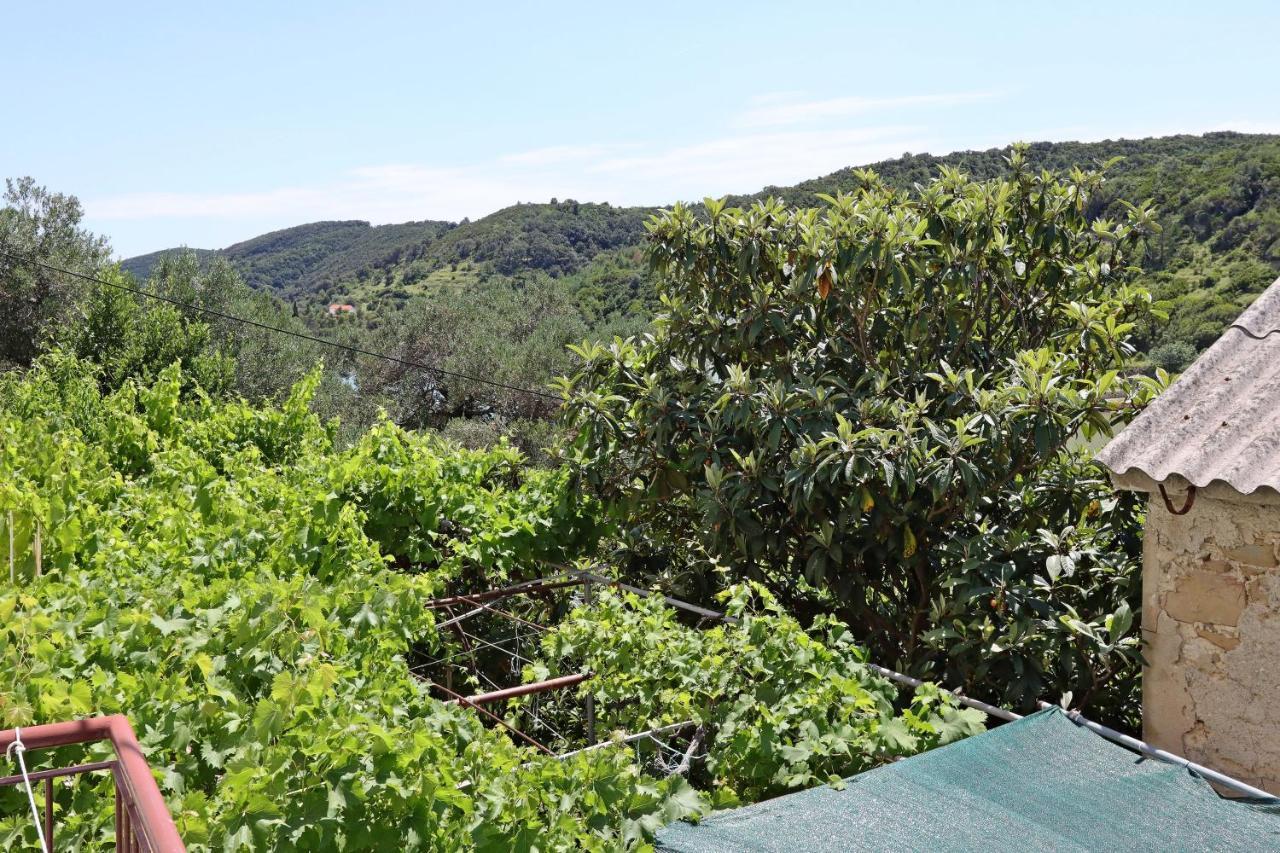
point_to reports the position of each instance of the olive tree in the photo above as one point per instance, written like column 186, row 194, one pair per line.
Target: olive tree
column 43, row 226
column 884, row 407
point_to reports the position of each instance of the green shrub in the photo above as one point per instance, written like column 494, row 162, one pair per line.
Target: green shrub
column 780, row 707
column 882, row 407
column 1173, row 356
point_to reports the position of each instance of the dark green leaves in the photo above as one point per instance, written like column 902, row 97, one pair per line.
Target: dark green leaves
column 875, row 405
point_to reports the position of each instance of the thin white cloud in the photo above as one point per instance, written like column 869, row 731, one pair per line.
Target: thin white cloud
column 779, row 139
column 747, row 162
column 788, row 109
column 382, row 193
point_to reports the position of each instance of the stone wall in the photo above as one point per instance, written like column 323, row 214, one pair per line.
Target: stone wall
column 1211, row 619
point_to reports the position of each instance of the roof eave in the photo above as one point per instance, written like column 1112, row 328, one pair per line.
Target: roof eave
column 1176, row 486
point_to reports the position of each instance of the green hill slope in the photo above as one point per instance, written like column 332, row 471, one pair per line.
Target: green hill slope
column 1218, row 197
column 309, row 259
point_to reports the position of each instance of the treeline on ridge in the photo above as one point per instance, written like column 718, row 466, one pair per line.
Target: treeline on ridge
column 1217, row 196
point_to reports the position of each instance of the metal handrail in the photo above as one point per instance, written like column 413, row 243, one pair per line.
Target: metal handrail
column 140, row 807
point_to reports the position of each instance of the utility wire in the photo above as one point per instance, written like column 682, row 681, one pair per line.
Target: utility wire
column 301, row 335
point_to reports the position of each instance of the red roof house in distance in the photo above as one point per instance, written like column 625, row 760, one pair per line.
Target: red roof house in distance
column 336, row 309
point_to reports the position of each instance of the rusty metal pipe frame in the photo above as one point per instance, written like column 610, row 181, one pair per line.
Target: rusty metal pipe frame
column 37, row 775
column 525, row 588
column 498, row 611
column 524, row 689
column 481, row 607
column 462, row 700
column 584, row 576
column 156, row 824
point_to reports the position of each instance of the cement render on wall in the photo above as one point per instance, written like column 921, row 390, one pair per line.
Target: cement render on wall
column 1211, row 595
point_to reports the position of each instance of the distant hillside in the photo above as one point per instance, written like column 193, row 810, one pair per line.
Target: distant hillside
column 141, row 265
column 557, row 238
column 1218, row 196
column 306, row 259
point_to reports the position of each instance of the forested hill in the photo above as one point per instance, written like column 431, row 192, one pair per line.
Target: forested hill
column 1218, row 197
column 305, row 259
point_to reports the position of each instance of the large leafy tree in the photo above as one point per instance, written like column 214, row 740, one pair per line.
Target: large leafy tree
column 135, row 337
column 44, row 226
column 515, row 336
column 883, row 407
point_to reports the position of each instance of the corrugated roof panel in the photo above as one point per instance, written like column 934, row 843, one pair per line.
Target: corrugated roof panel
column 1220, row 421
column 1262, row 318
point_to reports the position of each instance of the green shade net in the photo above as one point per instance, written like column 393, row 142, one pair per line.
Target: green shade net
column 1040, row 783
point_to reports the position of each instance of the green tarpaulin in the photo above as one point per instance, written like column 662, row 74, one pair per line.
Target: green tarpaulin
column 1040, row 783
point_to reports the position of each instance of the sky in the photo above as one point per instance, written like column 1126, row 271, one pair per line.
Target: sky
column 203, row 124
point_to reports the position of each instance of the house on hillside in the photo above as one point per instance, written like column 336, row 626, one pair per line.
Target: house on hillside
column 341, row 309
column 1207, row 452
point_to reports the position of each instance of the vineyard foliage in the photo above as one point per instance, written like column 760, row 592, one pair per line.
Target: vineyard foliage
column 790, row 708
column 249, row 594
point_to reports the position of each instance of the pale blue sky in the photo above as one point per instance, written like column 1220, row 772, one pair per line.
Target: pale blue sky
column 204, row 124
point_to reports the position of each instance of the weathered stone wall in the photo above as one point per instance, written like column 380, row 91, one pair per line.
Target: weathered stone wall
column 1211, row 619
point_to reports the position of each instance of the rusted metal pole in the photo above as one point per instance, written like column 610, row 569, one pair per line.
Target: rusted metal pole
column 466, row 643
column 462, row 700
column 48, row 813
column 37, row 775
column 589, row 704
column 513, row 617
column 524, row 689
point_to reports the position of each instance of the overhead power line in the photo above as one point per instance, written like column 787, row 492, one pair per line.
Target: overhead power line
column 267, row 327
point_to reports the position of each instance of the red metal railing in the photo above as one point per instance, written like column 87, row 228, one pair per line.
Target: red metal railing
column 143, row 823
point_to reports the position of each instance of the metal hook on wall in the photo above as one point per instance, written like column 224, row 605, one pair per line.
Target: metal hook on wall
column 1186, row 506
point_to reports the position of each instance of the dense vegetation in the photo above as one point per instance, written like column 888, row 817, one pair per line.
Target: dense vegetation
column 790, row 706
column 883, row 407
column 861, row 425
column 250, row 595
column 36, row 223
column 1217, row 198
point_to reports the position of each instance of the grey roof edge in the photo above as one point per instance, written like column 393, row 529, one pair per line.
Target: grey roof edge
column 1136, row 479
column 1218, row 424
column 1262, row 317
